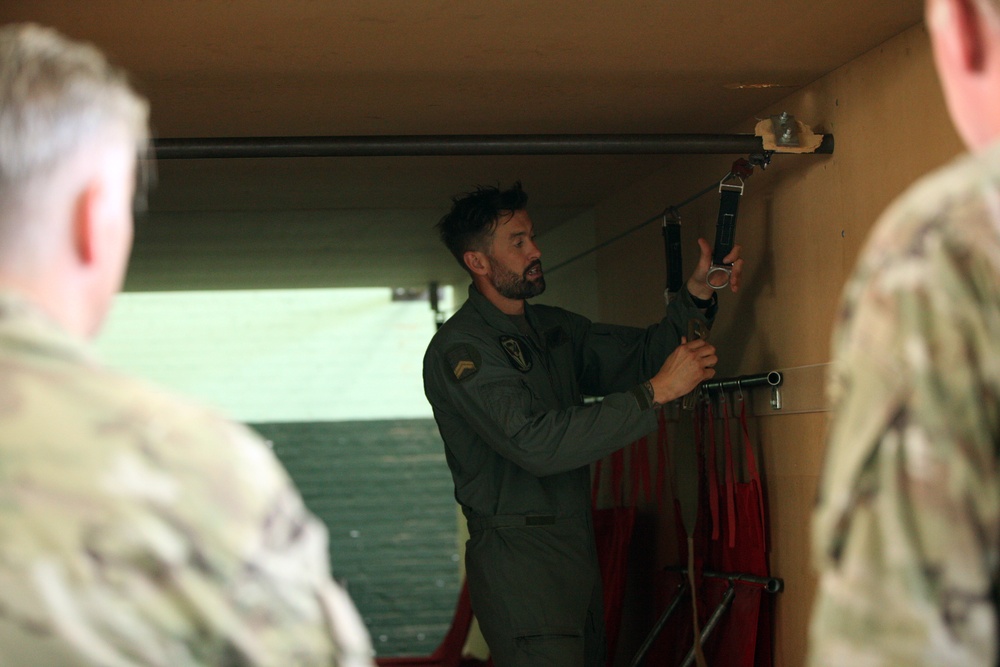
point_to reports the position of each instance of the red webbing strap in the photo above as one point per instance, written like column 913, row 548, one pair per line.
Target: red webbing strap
column 730, row 473
column 662, row 460
column 752, row 461
column 713, row 472
column 640, row 470
column 635, row 461
column 647, row 474
column 700, row 416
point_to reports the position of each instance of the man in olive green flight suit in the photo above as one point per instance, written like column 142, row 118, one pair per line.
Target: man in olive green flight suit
column 506, row 381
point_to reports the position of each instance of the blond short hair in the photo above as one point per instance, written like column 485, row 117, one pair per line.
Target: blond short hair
column 55, row 94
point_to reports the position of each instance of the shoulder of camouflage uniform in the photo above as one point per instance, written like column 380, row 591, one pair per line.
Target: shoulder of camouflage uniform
column 207, row 437
column 935, row 199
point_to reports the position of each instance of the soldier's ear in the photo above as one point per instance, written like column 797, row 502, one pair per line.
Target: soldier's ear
column 477, row 262
column 86, row 224
column 959, row 26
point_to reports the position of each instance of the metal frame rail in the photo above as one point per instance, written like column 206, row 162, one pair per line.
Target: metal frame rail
column 769, row 584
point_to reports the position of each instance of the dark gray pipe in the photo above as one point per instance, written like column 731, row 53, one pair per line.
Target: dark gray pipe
column 772, row 379
column 660, row 624
column 713, row 620
column 469, row 144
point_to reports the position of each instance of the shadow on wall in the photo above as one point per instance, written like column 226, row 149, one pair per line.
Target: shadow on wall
column 740, row 327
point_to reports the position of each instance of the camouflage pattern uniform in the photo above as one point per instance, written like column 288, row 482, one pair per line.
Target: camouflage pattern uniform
column 136, row 529
column 907, row 531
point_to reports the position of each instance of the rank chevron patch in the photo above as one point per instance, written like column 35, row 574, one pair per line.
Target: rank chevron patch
column 463, row 361
column 463, row 367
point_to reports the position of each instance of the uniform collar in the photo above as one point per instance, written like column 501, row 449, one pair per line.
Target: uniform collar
column 27, row 328
column 495, row 317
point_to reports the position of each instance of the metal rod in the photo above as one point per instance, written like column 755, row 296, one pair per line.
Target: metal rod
column 658, row 628
column 772, row 379
column 468, row 144
column 770, row 584
column 727, row 599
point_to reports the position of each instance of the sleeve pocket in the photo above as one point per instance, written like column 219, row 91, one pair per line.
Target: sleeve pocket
column 508, row 403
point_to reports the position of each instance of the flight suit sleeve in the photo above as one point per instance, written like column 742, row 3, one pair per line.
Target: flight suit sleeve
column 504, row 410
column 474, row 387
column 614, row 358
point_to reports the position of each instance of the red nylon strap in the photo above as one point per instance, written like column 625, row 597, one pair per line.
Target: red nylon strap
column 647, row 480
column 713, row 471
column 662, row 460
column 751, row 460
column 637, row 450
column 730, row 473
column 699, row 448
column 742, row 168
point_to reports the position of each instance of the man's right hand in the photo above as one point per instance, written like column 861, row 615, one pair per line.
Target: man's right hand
column 685, row 368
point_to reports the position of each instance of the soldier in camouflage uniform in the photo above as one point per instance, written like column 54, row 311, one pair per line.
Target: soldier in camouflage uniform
column 506, row 381
column 135, row 528
column 906, row 534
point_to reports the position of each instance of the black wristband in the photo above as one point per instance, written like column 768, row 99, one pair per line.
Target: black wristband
column 643, row 394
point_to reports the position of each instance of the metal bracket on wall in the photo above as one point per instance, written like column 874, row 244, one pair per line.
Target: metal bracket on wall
column 803, row 389
column 786, row 130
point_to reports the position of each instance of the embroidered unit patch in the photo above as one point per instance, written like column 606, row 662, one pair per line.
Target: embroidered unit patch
column 517, row 352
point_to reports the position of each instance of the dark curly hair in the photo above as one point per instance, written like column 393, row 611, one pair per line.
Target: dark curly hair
column 474, row 216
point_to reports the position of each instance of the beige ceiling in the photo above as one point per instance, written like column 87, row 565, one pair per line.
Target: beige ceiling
column 226, row 68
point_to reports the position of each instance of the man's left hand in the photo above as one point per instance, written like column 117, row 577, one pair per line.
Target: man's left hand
column 697, row 284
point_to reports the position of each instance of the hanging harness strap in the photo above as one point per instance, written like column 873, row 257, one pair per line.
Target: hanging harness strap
column 697, row 330
column 730, row 472
column 663, row 462
column 672, row 252
column 730, row 192
column 753, row 470
column 725, row 234
column 712, row 467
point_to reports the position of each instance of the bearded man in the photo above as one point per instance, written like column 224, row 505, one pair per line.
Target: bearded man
column 507, row 382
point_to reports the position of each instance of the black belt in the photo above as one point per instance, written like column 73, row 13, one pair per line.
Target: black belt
column 480, row 523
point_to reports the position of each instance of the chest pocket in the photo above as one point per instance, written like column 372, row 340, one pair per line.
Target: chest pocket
column 563, row 363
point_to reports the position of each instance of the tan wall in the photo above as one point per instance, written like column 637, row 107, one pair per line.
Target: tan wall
column 802, row 223
column 573, row 286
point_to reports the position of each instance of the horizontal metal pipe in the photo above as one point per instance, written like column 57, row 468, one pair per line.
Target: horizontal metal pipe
column 769, row 584
column 771, row 378
column 469, row 144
